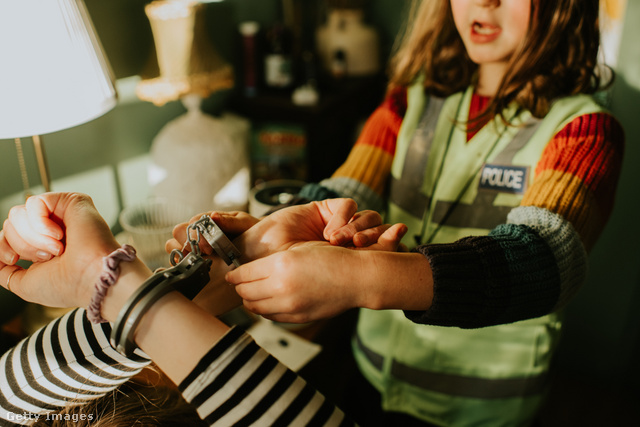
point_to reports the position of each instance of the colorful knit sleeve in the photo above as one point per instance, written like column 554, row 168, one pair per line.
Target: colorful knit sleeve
column 534, row 263
column 365, row 172
column 239, row 383
column 69, row 360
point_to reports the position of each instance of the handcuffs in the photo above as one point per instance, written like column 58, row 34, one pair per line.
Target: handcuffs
column 188, row 275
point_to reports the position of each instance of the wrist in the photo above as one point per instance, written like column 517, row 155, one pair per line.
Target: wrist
column 132, row 275
column 396, row 280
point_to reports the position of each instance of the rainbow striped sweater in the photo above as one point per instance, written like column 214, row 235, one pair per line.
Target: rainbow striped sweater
column 526, row 268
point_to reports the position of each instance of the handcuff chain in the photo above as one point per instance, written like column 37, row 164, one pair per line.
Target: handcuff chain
column 194, row 243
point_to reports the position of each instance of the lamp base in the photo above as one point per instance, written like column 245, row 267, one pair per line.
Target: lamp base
column 202, row 161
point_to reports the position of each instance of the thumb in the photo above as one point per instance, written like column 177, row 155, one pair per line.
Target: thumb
column 39, row 215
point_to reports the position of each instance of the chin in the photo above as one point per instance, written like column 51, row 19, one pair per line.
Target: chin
column 487, row 59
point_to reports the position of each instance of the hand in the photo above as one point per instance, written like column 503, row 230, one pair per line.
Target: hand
column 217, row 297
column 297, row 286
column 66, row 238
column 332, row 220
column 232, row 223
column 335, row 220
column 310, row 281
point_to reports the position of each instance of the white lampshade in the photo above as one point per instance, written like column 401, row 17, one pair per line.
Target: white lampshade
column 53, row 71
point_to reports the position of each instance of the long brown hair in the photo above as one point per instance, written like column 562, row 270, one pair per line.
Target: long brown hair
column 134, row 403
column 558, row 57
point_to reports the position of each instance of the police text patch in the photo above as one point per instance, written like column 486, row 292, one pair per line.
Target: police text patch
column 506, row 179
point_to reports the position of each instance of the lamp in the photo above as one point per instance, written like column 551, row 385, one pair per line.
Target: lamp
column 196, row 159
column 54, row 73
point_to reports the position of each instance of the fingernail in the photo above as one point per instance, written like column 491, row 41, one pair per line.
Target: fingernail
column 10, row 259
column 43, row 256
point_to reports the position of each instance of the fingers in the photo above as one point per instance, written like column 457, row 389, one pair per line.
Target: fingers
column 39, row 215
column 390, row 239
column 31, row 231
column 336, row 213
column 231, row 223
column 248, row 279
column 179, row 234
column 7, row 255
column 234, row 223
column 26, row 242
column 369, row 236
column 362, row 221
column 10, row 277
column 180, row 242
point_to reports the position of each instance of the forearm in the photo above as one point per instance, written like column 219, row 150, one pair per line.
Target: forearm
column 172, row 325
column 213, row 367
column 393, row 280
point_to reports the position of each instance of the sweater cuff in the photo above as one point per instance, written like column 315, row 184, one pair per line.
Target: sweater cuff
column 474, row 287
column 317, row 192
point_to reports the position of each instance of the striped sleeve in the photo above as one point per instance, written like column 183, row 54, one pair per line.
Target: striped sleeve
column 69, row 360
column 238, row 383
column 365, row 172
column 534, row 263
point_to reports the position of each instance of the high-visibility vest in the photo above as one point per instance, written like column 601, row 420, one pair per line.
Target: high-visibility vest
column 444, row 189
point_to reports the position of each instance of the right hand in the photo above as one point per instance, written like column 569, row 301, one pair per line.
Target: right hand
column 66, row 238
column 312, row 280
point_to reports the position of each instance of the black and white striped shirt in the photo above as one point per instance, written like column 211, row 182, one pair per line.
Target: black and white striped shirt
column 235, row 383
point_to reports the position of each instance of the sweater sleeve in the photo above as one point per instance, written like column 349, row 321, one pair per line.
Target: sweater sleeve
column 534, row 263
column 69, row 360
column 365, row 172
column 239, row 383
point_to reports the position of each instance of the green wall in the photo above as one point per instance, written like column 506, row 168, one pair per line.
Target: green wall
column 602, row 334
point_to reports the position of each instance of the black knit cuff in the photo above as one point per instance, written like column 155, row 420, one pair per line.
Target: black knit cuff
column 473, row 286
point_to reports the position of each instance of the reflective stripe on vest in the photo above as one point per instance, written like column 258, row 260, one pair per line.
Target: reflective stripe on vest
column 458, row 385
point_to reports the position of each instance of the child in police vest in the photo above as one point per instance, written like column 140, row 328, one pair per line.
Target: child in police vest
column 491, row 148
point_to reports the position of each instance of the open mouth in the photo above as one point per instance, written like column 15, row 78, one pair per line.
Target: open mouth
column 484, row 33
column 485, row 29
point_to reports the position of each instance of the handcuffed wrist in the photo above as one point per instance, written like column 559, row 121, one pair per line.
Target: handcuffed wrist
column 108, row 277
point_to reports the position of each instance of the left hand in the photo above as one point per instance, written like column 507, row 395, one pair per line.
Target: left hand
column 331, row 220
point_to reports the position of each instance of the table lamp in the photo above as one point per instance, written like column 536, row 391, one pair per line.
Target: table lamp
column 196, row 159
column 53, row 75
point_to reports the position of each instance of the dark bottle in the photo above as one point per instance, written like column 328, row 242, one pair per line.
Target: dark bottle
column 278, row 58
column 250, row 49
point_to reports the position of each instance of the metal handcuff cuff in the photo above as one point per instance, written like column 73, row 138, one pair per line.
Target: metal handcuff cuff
column 188, row 276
